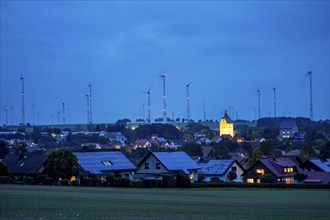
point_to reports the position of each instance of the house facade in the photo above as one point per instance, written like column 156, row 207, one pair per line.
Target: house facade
column 157, row 164
column 288, row 129
column 282, row 170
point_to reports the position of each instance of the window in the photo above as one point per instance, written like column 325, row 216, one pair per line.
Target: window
column 288, row 169
column 146, row 166
column 249, row 180
column 157, row 166
column 191, row 176
column 233, row 169
column 257, row 180
column 288, row 180
column 107, row 163
column 261, row 171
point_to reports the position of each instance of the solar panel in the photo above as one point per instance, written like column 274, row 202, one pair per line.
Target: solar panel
column 215, row 167
column 97, row 162
column 176, row 161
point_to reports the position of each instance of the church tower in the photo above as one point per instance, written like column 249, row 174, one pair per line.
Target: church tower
column 226, row 126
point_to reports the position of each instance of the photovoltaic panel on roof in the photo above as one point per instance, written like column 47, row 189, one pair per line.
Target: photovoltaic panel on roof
column 93, row 162
column 215, row 167
column 176, row 161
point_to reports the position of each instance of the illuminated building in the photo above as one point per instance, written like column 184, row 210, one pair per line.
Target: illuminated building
column 226, row 126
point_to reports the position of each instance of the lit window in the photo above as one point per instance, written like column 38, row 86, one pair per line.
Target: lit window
column 288, row 169
column 191, row 176
column 261, row 171
column 258, row 180
column 73, row 178
column 288, row 180
column 146, row 166
column 157, row 166
column 250, row 180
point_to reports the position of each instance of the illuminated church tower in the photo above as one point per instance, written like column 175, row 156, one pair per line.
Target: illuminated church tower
column 226, row 126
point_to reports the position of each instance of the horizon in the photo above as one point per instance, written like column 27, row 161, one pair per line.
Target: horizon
column 228, row 50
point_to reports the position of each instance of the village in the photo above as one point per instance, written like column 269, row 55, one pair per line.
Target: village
column 164, row 155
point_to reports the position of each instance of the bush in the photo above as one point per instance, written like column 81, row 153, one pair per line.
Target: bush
column 40, row 178
column 267, row 178
column 75, row 183
column 124, row 182
column 48, row 181
column 65, row 182
column 201, row 177
column 28, row 180
column 111, row 181
column 183, row 181
column 168, row 181
column 5, row 180
column 150, row 183
column 137, row 184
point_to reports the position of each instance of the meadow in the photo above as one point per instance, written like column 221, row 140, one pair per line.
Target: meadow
column 51, row 202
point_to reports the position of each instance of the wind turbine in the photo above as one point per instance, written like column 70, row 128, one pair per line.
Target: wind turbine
column 310, row 95
column 164, row 99
column 87, row 97
column 258, row 91
column 274, row 89
column 90, row 103
column 63, row 112
column 149, row 105
column 188, row 101
column 23, row 104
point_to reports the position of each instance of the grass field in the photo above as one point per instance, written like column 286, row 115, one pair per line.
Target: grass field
column 47, row 202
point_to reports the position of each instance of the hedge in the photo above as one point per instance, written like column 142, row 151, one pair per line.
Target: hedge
column 259, row 185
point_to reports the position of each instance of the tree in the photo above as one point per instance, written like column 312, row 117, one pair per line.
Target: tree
column 267, row 147
column 3, row 170
column 256, row 154
column 192, row 149
column 61, row 164
column 325, row 151
column 307, row 152
column 267, row 178
column 3, row 149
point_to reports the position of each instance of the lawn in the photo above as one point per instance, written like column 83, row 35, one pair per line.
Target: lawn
column 48, row 202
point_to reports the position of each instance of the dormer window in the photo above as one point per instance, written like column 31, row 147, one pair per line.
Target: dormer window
column 288, row 169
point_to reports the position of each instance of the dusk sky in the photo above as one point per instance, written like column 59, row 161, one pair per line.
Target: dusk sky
column 229, row 49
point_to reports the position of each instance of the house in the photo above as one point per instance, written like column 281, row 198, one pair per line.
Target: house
column 21, row 165
column 288, row 129
column 103, row 163
column 317, row 177
column 117, row 137
column 216, row 139
column 312, row 165
column 226, row 127
column 157, row 164
column 281, row 169
column 142, row 143
column 219, row 170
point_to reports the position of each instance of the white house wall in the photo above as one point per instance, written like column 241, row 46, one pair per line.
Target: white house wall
column 152, row 166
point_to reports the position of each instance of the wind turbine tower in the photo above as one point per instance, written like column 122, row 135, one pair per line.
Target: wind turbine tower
column 164, row 99
column 63, row 112
column 23, row 104
column 149, row 106
column 274, row 89
column 204, row 111
column 87, row 96
column 188, row 102
column 90, row 104
column 6, row 109
column 310, row 96
column 259, row 103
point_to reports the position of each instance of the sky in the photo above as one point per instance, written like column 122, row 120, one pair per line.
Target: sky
column 228, row 49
